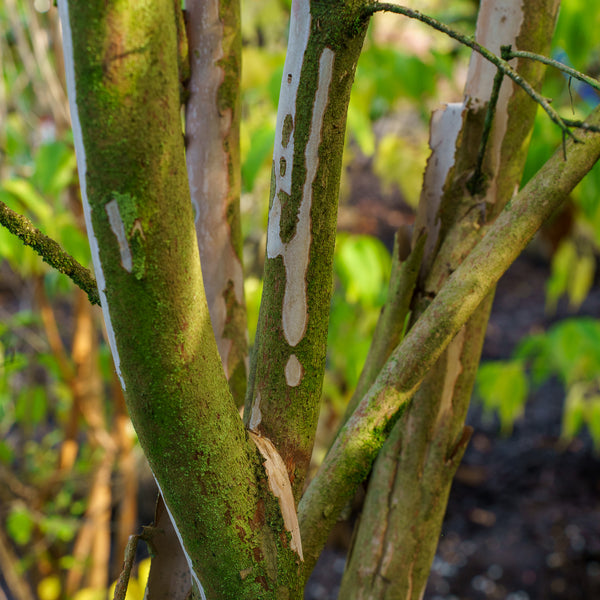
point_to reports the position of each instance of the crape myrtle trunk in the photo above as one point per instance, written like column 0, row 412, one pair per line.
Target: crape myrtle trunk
column 408, row 490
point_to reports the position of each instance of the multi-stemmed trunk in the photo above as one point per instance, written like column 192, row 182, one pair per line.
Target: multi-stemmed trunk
column 235, row 489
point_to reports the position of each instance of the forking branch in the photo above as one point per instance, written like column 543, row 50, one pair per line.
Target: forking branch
column 501, row 63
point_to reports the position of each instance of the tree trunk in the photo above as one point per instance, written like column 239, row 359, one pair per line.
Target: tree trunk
column 408, row 490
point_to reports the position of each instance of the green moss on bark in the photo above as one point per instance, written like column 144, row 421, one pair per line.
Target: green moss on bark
column 290, row 413
column 127, row 82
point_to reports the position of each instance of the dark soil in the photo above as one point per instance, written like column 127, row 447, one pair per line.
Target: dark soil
column 523, row 519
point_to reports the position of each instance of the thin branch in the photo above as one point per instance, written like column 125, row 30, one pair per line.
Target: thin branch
column 500, row 63
column 50, row 251
column 509, row 54
column 582, row 125
column 123, row 581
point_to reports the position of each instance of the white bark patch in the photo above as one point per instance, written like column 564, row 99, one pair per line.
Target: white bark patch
column 296, row 252
column 294, row 308
column 118, row 228
column 453, row 369
column 63, row 9
column 498, row 24
column 293, row 371
column 206, row 127
column 255, row 415
column 445, row 127
column 187, row 556
column 279, row 484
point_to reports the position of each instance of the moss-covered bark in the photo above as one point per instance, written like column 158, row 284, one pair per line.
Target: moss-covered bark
column 289, row 358
column 49, row 250
column 126, row 113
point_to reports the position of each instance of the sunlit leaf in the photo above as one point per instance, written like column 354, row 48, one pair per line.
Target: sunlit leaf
column 362, row 263
column 90, row 594
column 502, row 387
column 144, row 572
column 49, row 588
column 134, row 590
column 20, row 524
column 582, row 279
column 253, row 292
column 25, row 192
column 563, row 263
column 574, row 411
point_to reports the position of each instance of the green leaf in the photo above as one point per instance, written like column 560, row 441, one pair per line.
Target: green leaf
column 574, row 346
column 7, row 454
column 399, row 161
column 593, row 420
column 39, row 405
column 20, row 524
column 574, row 411
column 535, row 348
column 252, row 292
column 361, row 130
column 502, row 388
column 31, row 406
column 362, row 263
column 25, row 192
column 563, row 263
column 261, row 147
column 58, row 527
column 55, row 166
column 582, row 278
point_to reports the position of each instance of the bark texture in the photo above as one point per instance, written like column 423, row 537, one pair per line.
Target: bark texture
column 213, row 161
column 288, row 362
column 412, row 476
column 124, row 74
column 350, row 458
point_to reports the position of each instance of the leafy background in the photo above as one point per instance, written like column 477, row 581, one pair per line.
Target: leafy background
column 70, row 470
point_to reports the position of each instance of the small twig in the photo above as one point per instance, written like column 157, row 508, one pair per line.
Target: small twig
column 553, row 63
column 500, row 63
column 50, row 251
column 123, row 581
column 474, row 185
column 581, row 125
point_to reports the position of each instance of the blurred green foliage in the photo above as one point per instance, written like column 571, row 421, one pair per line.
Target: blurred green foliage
column 568, row 350
column 403, row 73
column 503, row 385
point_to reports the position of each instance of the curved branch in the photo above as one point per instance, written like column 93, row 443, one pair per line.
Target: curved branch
column 350, row 458
column 50, row 251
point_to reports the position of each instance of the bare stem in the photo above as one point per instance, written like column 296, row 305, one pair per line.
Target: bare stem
column 510, row 54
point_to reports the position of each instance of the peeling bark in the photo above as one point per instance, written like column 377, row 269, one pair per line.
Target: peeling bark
column 213, row 162
column 288, row 363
